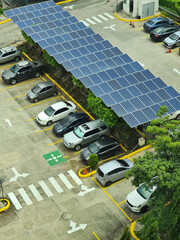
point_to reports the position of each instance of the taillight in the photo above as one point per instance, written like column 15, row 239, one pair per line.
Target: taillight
column 156, row 35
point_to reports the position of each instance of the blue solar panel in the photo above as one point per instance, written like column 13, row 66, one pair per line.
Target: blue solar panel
column 118, row 109
column 105, row 87
column 175, row 103
column 107, row 100
column 85, row 70
column 97, row 91
column 134, row 91
column 67, row 65
column 125, row 93
column 149, row 113
column 152, row 86
column 131, row 79
column 77, row 73
column 114, row 84
column 137, row 103
column 139, row 77
column 163, row 94
column 139, row 115
column 159, row 82
column 146, row 100
column 116, row 96
column 112, row 73
column 142, row 87
column 123, row 82
column 86, row 82
column 132, row 121
column 102, row 66
column 128, row 68
column 94, row 68
column 154, row 97
column 128, row 106
column 95, row 79
column 136, row 66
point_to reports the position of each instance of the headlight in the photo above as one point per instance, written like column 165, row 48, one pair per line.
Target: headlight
column 71, row 144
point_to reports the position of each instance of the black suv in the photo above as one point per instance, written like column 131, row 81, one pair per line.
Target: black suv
column 68, row 123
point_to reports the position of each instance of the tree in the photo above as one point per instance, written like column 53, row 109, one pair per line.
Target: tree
column 126, row 234
column 161, row 168
column 93, row 161
column 172, row 4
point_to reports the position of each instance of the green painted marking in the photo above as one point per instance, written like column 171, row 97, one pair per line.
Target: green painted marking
column 54, row 158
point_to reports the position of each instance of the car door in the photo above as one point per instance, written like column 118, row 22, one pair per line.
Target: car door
column 105, row 152
column 90, row 137
column 178, row 41
column 6, row 57
column 61, row 113
column 24, row 73
column 49, row 91
column 116, row 174
column 42, row 93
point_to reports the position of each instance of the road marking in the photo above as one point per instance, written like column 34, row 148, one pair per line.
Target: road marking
column 111, row 27
column 122, row 202
column 30, row 119
column 50, row 144
column 69, row 7
column 35, row 192
column 13, row 179
column 25, row 196
column 176, row 70
column 108, row 15
column 90, row 21
column 174, row 50
column 137, row 29
column 74, row 228
column 17, row 85
column 146, row 36
column 97, row 19
column 44, row 129
column 75, row 177
column 17, row 97
column 7, row 66
column 158, row 43
column 102, row 17
column 65, row 181
column 14, row 200
column 46, row 189
column 86, row 190
column 8, row 122
column 86, row 24
column 115, row 183
column 77, row 152
column 96, row 236
column 55, row 185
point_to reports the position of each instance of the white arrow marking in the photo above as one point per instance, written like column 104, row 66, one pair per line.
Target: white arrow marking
column 86, row 190
column 9, row 122
column 70, row 7
column 176, row 70
column 74, row 228
column 13, row 179
column 142, row 64
column 111, row 27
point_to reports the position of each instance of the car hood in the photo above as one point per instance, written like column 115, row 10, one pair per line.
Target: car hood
column 135, row 199
column 86, row 153
column 169, row 41
column 71, row 138
column 58, row 127
column 43, row 116
column 30, row 94
column 8, row 74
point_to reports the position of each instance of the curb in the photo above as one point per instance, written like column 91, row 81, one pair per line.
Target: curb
column 6, row 207
column 132, row 230
column 136, row 20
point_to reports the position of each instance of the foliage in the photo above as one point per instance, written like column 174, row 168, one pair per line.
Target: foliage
column 161, row 168
column 152, row 232
column 126, row 234
column 1, row 11
column 93, row 161
column 27, row 38
column 50, row 60
column 77, row 82
column 172, row 4
column 97, row 107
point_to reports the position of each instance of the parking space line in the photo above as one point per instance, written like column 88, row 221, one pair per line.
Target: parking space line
column 66, row 156
column 77, row 152
column 174, row 50
column 122, row 202
column 123, row 147
column 115, row 183
column 18, row 85
column 96, row 236
column 7, row 66
column 75, row 177
column 36, row 103
column 158, row 43
column 112, row 200
column 45, row 130
column 30, row 119
column 131, row 159
column 146, row 36
column 17, row 97
column 137, row 29
column 54, row 143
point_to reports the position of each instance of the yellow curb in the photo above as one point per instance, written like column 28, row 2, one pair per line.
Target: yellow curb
column 132, row 230
column 96, row 236
column 7, row 20
column 27, row 56
column 65, row 2
column 7, row 206
column 135, row 20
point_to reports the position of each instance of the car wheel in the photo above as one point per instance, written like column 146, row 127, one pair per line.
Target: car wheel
column 102, row 137
column 16, row 59
column 49, row 123
column 108, row 184
column 13, row 82
column 144, row 209
column 37, row 74
column 36, row 100
column 77, row 147
column 55, row 94
column 178, row 117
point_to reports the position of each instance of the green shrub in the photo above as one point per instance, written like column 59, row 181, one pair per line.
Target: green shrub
column 27, row 38
column 93, row 161
column 126, row 234
column 50, row 60
column 77, row 82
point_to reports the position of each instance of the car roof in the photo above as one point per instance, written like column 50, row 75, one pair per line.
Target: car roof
column 8, row 49
column 109, row 166
column 58, row 105
column 23, row 63
column 78, row 115
column 92, row 124
column 45, row 84
column 177, row 33
column 157, row 19
column 106, row 141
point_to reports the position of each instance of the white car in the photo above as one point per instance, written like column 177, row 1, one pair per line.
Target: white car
column 138, row 199
column 56, row 112
column 175, row 115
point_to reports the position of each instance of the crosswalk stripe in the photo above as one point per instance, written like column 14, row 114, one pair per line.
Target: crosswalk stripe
column 35, row 192
column 75, row 177
column 108, row 15
column 14, row 200
column 97, row 19
column 103, row 18
column 91, row 21
column 86, row 24
column 65, row 181
column 55, row 185
column 25, row 196
column 46, row 189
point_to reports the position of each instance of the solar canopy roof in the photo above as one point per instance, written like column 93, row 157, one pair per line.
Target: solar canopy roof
column 133, row 92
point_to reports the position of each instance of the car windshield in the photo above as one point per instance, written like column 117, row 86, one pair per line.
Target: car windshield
column 65, row 121
column 145, row 193
column 1, row 53
column 173, row 36
column 14, row 69
column 78, row 132
column 158, row 30
column 150, row 22
column 68, row 104
column 93, row 148
column 49, row 111
column 36, row 89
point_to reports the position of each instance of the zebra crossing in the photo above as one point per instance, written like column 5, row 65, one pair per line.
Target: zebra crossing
column 23, row 196
column 97, row 19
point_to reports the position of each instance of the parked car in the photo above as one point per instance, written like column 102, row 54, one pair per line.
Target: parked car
column 113, row 171
column 103, row 148
column 138, row 199
column 156, row 22
column 41, row 91
column 175, row 115
column 68, row 123
column 85, row 134
column 56, row 112
column 22, row 70
column 10, row 53
column 173, row 40
column 160, row 33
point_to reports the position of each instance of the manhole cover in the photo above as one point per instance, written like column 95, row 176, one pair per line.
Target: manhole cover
column 67, row 216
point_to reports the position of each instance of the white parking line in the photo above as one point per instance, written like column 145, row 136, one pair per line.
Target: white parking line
column 55, row 185
column 65, row 181
column 86, row 24
column 46, row 189
column 14, row 200
column 35, row 192
column 108, row 15
column 25, row 196
column 97, row 19
column 75, row 177
column 89, row 20
column 103, row 18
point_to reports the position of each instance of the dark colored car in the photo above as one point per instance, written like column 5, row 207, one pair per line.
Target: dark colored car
column 104, row 148
column 41, row 91
column 156, row 22
column 160, row 33
column 68, row 123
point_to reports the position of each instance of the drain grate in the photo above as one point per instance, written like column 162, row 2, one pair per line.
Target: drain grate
column 67, row 216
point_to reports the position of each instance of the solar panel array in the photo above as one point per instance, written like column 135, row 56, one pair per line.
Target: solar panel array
column 124, row 85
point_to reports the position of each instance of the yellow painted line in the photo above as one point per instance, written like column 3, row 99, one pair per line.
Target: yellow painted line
column 66, row 156
column 27, row 56
column 45, row 130
column 10, row 65
column 135, row 20
column 7, row 206
column 65, row 1
column 7, row 20
column 132, row 231
column 123, row 147
column 30, row 119
column 113, row 200
column 36, row 103
column 96, row 236
column 122, row 202
column 137, row 29
column 17, row 85
column 131, row 159
column 77, row 152
column 140, row 132
column 146, row 37
column 54, row 143
column 17, row 97
column 115, row 183
column 158, row 43
column 174, row 50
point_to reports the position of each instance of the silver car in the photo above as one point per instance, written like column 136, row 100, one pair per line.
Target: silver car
column 41, row 91
column 173, row 40
column 10, row 53
column 85, row 134
column 113, row 171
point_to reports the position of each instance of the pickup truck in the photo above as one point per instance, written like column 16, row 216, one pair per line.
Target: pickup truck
column 22, row 70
